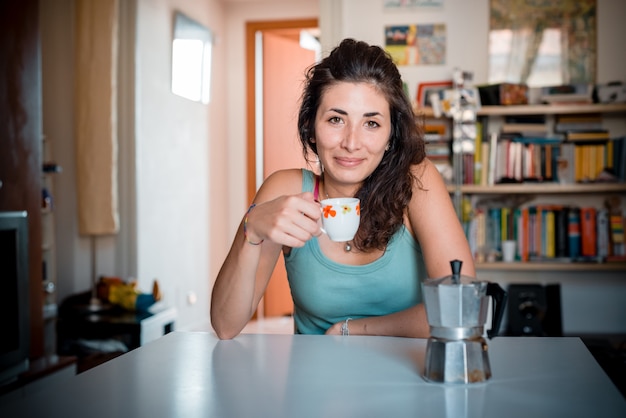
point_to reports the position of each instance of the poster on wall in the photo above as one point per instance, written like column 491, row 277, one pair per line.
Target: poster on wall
column 417, row 44
column 405, row 4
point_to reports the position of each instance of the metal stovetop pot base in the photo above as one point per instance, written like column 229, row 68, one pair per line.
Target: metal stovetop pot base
column 462, row 361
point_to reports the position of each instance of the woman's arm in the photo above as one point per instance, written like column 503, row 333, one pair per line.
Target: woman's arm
column 436, row 225
column 283, row 216
column 410, row 322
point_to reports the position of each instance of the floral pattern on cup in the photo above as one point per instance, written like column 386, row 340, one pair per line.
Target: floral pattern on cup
column 345, row 209
column 340, row 218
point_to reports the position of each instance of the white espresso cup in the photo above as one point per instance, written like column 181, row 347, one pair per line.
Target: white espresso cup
column 341, row 217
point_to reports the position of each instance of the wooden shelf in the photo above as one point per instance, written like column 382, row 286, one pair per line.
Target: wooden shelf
column 539, row 109
column 547, row 266
column 542, row 188
column 552, row 109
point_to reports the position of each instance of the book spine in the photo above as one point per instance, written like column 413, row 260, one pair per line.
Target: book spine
column 601, row 162
column 504, row 224
column 588, row 232
column 478, row 158
column 573, row 232
column 537, row 162
column 561, row 241
column 517, row 232
column 495, row 234
column 539, row 236
column 602, row 228
column 532, row 232
column 578, row 164
column 524, row 232
column 571, row 169
column 481, row 235
column 484, row 176
column 550, row 234
column 585, row 162
column 617, row 234
column 548, row 163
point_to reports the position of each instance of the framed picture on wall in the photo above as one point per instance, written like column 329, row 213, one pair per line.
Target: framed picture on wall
column 424, row 91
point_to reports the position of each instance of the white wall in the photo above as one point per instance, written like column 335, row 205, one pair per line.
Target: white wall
column 178, row 153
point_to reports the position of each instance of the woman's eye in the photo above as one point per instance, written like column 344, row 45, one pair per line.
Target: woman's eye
column 372, row 124
column 335, row 119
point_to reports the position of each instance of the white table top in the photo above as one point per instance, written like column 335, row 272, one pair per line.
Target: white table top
column 196, row 375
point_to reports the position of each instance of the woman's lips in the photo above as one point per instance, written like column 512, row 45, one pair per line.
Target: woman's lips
column 348, row 162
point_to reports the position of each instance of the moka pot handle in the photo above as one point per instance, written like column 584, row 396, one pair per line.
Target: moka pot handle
column 499, row 296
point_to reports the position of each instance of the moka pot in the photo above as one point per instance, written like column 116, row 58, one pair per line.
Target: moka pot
column 456, row 308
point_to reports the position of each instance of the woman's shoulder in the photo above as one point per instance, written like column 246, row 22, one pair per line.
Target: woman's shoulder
column 426, row 173
column 288, row 181
column 289, row 175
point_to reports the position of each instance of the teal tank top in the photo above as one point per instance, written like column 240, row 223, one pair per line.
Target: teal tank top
column 325, row 292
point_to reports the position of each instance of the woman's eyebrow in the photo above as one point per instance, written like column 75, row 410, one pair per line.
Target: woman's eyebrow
column 340, row 111
column 367, row 114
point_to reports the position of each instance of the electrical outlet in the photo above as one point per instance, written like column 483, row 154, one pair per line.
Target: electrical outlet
column 191, row 298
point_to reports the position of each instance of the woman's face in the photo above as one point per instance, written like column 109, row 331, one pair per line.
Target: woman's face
column 352, row 127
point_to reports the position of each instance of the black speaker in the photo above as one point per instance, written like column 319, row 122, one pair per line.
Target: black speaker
column 534, row 310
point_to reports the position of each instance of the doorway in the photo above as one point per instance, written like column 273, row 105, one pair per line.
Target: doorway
column 275, row 65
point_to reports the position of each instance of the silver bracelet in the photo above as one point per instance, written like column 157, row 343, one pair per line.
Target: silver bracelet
column 344, row 327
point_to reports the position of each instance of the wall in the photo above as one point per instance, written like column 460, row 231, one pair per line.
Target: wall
column 178, row 153
column 592, row 302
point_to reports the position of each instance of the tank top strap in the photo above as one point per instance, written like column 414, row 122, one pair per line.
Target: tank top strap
column 316, row 190
column 310, row 182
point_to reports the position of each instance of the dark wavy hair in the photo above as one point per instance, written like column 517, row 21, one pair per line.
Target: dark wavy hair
column 386, row 193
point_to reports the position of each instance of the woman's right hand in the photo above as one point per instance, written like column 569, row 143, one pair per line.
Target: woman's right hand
column 286, row 220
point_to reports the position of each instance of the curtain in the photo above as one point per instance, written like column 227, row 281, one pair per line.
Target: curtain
column 518, row 28
column 95, row 116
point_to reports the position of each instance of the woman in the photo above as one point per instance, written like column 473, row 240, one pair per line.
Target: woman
column 355, row 118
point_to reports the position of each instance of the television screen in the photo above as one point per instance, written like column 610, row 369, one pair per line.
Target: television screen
column 14, row 302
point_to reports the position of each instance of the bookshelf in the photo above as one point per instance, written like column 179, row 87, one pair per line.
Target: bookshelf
column 548, row 266
column 541, row 193
column 542, row 188
column 542, row 109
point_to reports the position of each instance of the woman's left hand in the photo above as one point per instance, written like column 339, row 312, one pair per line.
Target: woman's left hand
column 335, row 329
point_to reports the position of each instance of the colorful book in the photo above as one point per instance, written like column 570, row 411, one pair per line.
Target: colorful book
column 573, row 232
column 504, row 224
column 478, row 150
column 561, row 239
column 518, row 233
column 601, row 135
column 550, row 228
column 493, row 228
column 602, row 232
column 616, row 222
column 588, row 232
column 532, row 232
